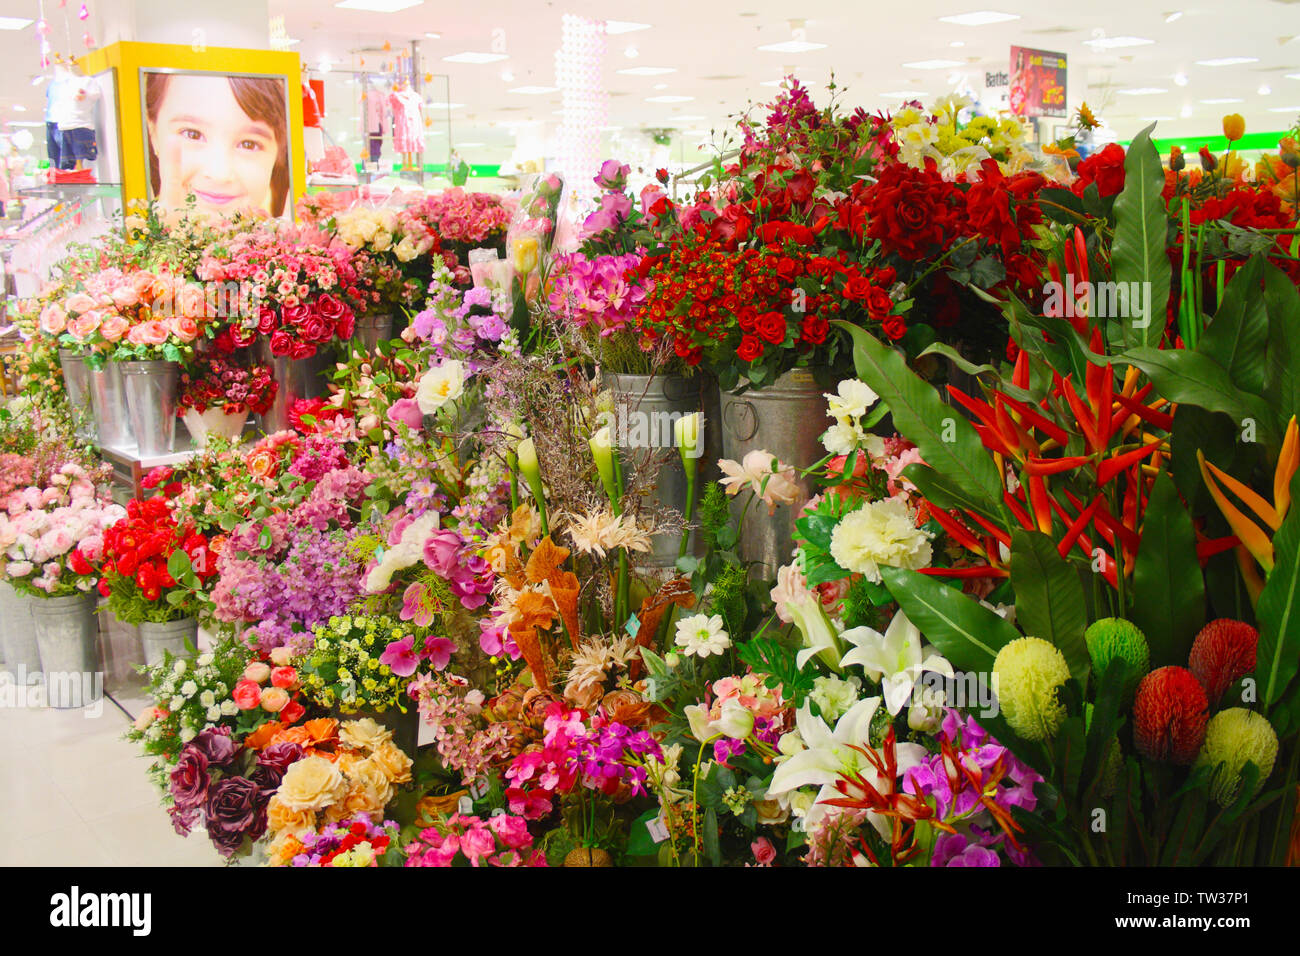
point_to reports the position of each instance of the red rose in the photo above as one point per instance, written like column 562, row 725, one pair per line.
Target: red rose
column 815, row 329
column 330, row 308
column 857, row 288
column 242, row 337
column 1105, row 168
column 747, row 318
column 879, row 303
column 316, row 329
column 346, row 325
column 801, row 186
column 750, row 349
column 771, row 327
column 911, row 210
column 225, row 341
column 894, row 327
column 301, row 350
column 104, row 589
column 267, row 320
column 292, row 711
column 282, row 343
column 295, row 315
column 126, row 564
column 787, row 268
column 285, row 677
column 246, row 695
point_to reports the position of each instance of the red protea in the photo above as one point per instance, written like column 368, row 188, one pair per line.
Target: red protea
column 1222, row 653
column 1169, row 715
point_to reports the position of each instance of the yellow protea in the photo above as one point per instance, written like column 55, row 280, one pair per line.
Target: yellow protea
column 1254, row 538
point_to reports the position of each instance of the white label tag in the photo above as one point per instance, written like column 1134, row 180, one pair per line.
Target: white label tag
column 466, row 806
column 499, row 812
column 658, row 829
column 479, row 788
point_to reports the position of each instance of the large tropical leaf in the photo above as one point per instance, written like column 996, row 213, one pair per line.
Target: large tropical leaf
column 1238, row 336
column 1049, row 598
column 1167, row 579
column 1282, row 366
column 947, row 441
column 967, row 633
column 1278, row 611
column 1138, row 254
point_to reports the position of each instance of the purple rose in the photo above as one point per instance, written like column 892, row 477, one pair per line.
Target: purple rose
column 183, row 820
column 406, row 411
column 280, row 756
column 189, row 781
column 441, row 552
column 217, row 746
column 235, row 809
column 330, row 308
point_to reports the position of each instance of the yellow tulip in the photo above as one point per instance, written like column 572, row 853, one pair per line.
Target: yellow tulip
column 1234, row 127
column 525, row 255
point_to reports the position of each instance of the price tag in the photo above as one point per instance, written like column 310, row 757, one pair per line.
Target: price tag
column 479, row 788
column 466, row 806
column 264, row 539
column 633, row 626
column 658, row 829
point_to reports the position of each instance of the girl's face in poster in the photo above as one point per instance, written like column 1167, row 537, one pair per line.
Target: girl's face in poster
column 209, row 147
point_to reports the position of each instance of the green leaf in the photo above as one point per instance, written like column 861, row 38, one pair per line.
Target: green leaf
column 639, row 841
column 1192, row 378
column 957, row 359
column 178, row 565
column 920, row 416
column 1139, row 252
column 711, row 837
column 1049, row 598
column 964, row 631
column 1282, row 364
column 1278, row 611
column 1238, row 335
column 1167, row 577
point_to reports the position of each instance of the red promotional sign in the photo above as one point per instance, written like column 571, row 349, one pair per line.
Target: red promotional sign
column 1037, row 82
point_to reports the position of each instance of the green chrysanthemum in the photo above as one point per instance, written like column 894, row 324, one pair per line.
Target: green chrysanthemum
column 1027, row 674
column 1113, row 637
column 1232, row 737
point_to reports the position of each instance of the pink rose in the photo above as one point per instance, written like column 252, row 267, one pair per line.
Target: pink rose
column 764, row 852
column 275, row 699
column 315, row 329
column 153, row 332
column 406, row 411
column 124, row 296
column 184, row 328
column 84, row 326
column 285, row 677
column 247, row 695
column 511, row 830
column 114, row 327
column 258, row 672
column 143, row 284
column 441, row 552
column 295, row 315
column 53, row 320
column 190, row 301
column 330, row 308
column 80, row 302
column 267, row 320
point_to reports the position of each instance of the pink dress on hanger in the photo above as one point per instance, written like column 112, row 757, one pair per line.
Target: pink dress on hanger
column 408, row 121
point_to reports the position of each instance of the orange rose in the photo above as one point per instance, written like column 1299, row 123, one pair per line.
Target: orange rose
column 114, row 327
column 153, row 332
column 323, row 729
column 184, row 328
column 263, row 736
column 261, row 463
column 142, row 283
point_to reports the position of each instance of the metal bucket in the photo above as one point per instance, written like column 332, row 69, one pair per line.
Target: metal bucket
column 67, row 633
column 108, row 399
column 22, row 658
column 296, row 378
column 170, row 636
column 370, row 331
column 76, row 379
column 786, row 418
column 151, row 397
column 646, row 407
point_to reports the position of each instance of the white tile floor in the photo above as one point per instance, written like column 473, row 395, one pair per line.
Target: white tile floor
column 73, row 792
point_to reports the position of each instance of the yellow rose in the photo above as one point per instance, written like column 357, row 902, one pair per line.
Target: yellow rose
column 771, row 812
column 395, row 765
column 312, row 784
column 281, row 819
column 364, row 734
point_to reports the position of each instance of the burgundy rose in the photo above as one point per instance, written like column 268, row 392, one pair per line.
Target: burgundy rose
column 330, row 308
column 217, row 746
column 280, row 756
column 267, row 320
column 282, row 343
column 296, row 315
column 189, row 781
column 267, row 779
column 234, row 810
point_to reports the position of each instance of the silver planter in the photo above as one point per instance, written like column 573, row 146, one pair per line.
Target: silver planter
column 646, row 408
column 22, row 658
column 786, row 418
column 151, row 397
column 169, row 636
column 296, row 379
column 108, row 399
column 67, row 633
column 76, row 379
column 370, row 331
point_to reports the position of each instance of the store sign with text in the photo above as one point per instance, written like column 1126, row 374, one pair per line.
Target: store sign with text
column 1037, row 82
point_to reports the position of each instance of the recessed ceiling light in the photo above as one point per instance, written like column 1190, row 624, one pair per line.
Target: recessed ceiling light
column 471, row 57
column 792, row 46
column 957, row 43
column 1228, row 61
column 932, row 64
column 1116, row 43
column 15, row 23
column 533, row 90
column 324, row 65
column 1173, row 16
column 647, row 70
column 23, row 123
column 507, row 76
column 1265, row 90
column 1284, row 109
column 631, row 52
column 1180, row 79
column 1143, row 91
column 669, row 99
column 660, row 86
column 980, row 18
column 1186, row 111
column 693, row 118
column 378, row 6
column 624, row 26
column 444, row 106
column 433, row 36
column 19, row 108
column 1221, row 100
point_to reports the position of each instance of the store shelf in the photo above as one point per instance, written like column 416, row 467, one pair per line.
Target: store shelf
column 66, row 191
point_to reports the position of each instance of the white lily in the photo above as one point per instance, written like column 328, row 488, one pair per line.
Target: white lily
column 896, row 658
column 734, row 721
column 829, row 754
column 817, row 630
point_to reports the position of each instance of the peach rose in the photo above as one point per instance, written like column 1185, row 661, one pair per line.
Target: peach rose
column 80, row 302
column 395, row 764
column 184, row 328
column 114, row 327
column 124, row 296
column 364, row 734
column 190, row 301
column 280, row 656
column 281, row 818
column 142, row 282
column 261, row 463
column 312, row 783
column 274, row 699
column 160, row 288
column 84, row 326
column 53, row 320
column 153, row 332
column 257, row 671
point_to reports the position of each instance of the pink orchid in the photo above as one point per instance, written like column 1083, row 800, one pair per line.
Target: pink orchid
column 400, row 657
column 439, row 650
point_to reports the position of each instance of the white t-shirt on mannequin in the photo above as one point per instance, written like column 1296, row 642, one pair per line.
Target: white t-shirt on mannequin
column 74, row 101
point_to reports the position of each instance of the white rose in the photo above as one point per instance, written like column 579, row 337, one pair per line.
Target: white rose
column 189, row 689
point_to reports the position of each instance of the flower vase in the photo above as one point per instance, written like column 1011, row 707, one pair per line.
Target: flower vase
column 76, row 380
column 646, row 408
column 588, row 856
column 175, row 637
column 296, row 379
column 370, row 331
column 151, row 398
column 787, row 419
column 67, row 634
column 215, row 421
column 108, row 401
column 22, row 658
